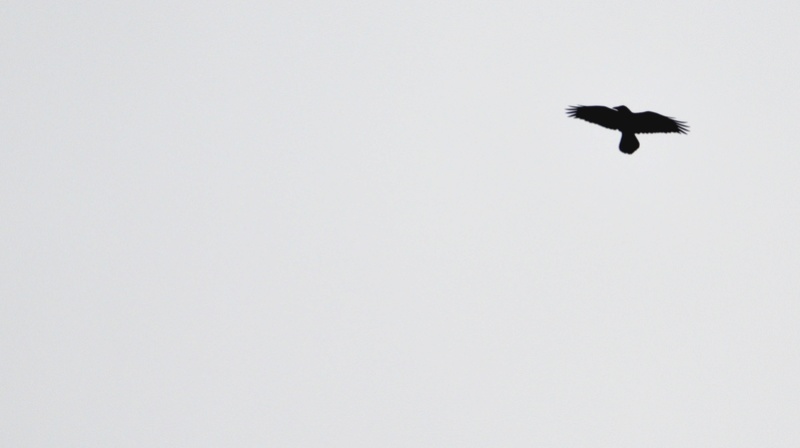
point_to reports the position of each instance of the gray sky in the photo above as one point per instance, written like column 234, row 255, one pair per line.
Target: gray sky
column 297, row 224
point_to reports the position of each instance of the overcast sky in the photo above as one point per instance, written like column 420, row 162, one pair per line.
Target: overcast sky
column 317, row 224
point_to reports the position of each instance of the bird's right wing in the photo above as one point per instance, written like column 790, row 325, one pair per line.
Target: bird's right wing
column 649, row 122
column 604, row 116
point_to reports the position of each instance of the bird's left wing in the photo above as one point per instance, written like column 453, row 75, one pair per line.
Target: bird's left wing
column 649, row 122
column 604, row 116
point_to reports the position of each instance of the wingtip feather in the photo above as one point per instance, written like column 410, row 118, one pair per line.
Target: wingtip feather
column 572, row 111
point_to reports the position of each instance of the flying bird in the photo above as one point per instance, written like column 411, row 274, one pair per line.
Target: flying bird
column 622, row 119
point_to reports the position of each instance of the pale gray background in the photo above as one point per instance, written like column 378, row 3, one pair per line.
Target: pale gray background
column 314, row 224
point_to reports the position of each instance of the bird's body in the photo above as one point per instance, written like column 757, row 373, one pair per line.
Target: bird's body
column 628, row 123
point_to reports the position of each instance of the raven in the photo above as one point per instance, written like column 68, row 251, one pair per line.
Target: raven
column 622, row 119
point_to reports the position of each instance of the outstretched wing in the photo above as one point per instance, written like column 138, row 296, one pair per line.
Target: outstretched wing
column 604, row 116
column 649, row 122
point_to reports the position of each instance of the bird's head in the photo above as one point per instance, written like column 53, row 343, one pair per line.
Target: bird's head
column 622, row 109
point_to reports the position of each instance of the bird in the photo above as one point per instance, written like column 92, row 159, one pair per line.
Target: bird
column 622, row 119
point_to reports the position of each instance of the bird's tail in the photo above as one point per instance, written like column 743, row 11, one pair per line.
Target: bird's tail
column 629, row 144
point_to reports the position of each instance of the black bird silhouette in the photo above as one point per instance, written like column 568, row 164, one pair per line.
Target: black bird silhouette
column 622, row 119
